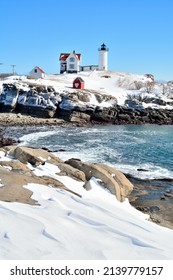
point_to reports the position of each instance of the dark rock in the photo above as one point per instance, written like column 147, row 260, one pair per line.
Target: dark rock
column 36, row 111
column 46, row 149
column 104, row 114
column 153, row 100
column 6, row 141
column 124, row 117
column 133, row 104
column 79, row 117
column 153, row 208
column 168, row 195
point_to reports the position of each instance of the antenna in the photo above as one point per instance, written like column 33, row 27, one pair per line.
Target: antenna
column 13, row 65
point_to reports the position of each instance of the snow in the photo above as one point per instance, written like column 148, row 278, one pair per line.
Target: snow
column 4, row 157
column 89, row 225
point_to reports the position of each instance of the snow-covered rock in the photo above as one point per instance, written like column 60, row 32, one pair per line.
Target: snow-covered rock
column 104, row 91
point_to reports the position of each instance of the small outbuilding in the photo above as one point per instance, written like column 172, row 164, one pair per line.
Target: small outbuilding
column 78, row 83
column 37, row 73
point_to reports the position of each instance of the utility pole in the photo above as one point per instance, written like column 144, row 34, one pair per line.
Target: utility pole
column 13, row 65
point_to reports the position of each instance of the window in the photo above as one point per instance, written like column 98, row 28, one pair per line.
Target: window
column 35, row 70
column 71, row 66
column 71, row 59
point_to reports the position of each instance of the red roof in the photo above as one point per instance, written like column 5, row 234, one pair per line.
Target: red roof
column 79, row 79
column 40, row 69
column 64, row 56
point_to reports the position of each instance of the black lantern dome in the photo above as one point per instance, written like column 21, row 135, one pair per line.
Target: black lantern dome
column 103, row 48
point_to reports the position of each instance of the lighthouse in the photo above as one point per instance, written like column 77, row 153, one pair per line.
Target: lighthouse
column 103, row 57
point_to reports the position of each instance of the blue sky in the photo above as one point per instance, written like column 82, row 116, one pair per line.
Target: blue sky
column 138, row 34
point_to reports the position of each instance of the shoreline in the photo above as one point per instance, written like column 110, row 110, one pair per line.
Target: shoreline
column 12, row 119
column 78, row 119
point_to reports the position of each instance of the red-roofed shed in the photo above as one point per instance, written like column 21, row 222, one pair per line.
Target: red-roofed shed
column 78, row 83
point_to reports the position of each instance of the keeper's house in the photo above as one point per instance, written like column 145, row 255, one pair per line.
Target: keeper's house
column 70, row 62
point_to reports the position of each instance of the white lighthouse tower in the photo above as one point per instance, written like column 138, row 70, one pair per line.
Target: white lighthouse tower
column 103, row 57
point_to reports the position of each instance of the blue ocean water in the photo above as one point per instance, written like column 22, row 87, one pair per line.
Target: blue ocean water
column 143, row 151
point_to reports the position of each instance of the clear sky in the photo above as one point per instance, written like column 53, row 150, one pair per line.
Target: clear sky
column 138, row 34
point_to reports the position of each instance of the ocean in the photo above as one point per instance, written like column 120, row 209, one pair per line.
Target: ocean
column 141, row 151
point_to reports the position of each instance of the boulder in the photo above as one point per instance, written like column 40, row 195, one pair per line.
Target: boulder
column 125, row 185
column 33, row 156
column 12, row 189
column 70, row 171
column 110, row 178
column 15, row 165
column 40, row 156
column 13, row 182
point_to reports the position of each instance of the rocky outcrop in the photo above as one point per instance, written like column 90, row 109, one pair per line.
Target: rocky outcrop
column 123, row 115
column 45, row 102
column 37, row 157
column 33, row 156
column 109, row 177
column 82, row 106
column 13, row 183
column 33, row 100
column 8, row 98
column 67, row 170
column 15, row 165
column 16, row 173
